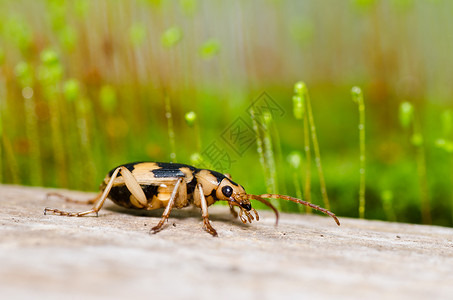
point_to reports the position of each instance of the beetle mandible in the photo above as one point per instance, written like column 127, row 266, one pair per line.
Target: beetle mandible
column 153, row 185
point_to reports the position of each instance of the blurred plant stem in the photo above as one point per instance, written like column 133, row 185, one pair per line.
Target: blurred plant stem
column 1, row 143
column 295, row 161
column 445, row 142
column 31, row 124
column 357, row 97
column 300, row 114
column 2, row 101
column 57, row 138
column 387, row 201
column 408, row 116
column 259, row 146
column 308, row 160
column 25, row 76
column 302, row 91
column 192, row 120
column 6, row 149
column 279, row 161
column 423, row 178
column 11, row 159
column 265, row 152
column 171, row 131
column 269, row 152
column 85, row 137
column 73, row 95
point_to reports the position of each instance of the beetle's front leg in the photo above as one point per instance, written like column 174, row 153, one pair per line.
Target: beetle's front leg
column 199, row 193
column 232, row 211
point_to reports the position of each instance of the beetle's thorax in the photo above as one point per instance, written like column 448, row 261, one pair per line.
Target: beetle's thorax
column 217, row 186
column 209, row 180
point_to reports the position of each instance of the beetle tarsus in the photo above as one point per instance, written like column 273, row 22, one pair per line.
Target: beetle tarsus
column 256, row 214
column 159, row 226
column 155, row 230
column 233, row 212
column 208, row 227
column 58, row 212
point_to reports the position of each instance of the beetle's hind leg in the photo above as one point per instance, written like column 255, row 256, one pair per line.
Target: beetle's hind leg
column 94, row 201
column 131, row 183
column 67, row 199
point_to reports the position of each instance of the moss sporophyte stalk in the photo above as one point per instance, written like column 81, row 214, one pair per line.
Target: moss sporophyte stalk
column 25, row 77
column 445, row 142
column 192, row 122
column 269, row 151
column 387, row 201
column 301, row 90
column 357, row 97
column 295, row 161
column 1, row 146
column 9, row 163
column 407, row 116
column 300, row 114
column 73, row 94
column 171, row 131
column 263, row 152
column 50, row 74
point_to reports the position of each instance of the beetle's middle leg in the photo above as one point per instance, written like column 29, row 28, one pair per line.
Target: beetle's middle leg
column 170, row 205
column 139, row 199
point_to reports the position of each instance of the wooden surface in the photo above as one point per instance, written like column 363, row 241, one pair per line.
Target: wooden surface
column 305, row 257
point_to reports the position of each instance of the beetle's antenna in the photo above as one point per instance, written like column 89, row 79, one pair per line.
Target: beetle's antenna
column 289, row 198
column 267, row 203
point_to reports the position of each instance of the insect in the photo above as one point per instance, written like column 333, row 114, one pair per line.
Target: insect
column 153, row 185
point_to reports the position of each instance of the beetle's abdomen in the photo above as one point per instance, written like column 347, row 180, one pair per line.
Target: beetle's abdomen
column 121, row 195
column 157, row 196
column 157, row 181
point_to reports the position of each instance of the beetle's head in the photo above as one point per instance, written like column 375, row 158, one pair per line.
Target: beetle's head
column 233, row 193
column 236, row 196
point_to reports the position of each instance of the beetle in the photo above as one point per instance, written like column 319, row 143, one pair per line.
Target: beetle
column 153, row 185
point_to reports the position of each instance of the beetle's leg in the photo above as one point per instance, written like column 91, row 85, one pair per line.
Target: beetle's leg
column 131, row 184
column 168, row 208
column 139, row 198
column 241, row 216
column 233, row 212
column 67, row 199
column 256, row 214
column 204, row 211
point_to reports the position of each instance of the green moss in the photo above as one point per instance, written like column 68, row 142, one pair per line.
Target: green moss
column 108, row 98
column 71, row 89
column 171, row 37
column 209, row 49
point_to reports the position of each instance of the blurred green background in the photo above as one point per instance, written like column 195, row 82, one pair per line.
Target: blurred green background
column 88, row 85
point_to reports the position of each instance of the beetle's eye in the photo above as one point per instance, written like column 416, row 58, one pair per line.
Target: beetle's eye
column 227, row 191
